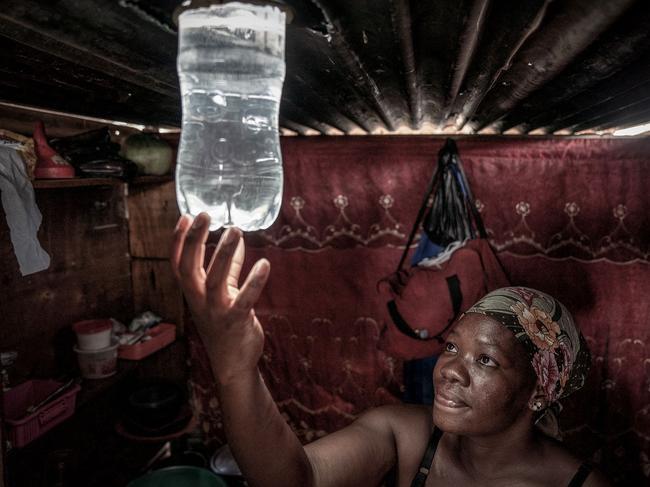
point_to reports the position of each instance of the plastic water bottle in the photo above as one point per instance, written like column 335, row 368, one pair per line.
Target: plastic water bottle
column 231, row 69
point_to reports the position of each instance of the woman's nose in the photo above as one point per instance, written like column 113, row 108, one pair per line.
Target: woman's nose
column 453, row 370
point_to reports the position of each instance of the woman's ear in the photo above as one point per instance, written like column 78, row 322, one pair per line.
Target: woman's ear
column 537, row 401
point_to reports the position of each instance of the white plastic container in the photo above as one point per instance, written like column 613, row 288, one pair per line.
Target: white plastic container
column 97, row 364
column 93, row 334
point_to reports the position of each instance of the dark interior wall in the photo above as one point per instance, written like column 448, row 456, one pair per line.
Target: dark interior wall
column 568, row 216
column 108, row 246
column 85, row 232
column 152, row 216
column 108, row 242
column 541, row 199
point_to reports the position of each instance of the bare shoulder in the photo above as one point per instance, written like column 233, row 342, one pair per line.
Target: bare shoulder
column 408, row 425
column 400, row 418
column 410, row 428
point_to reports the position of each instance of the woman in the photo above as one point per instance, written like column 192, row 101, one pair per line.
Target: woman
column 505, row 363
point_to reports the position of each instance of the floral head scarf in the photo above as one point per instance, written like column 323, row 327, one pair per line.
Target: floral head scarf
column 556, row 348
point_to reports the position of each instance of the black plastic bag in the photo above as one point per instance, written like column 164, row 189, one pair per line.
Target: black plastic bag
column 449, row 218
column 113, row 166
column 86, row 147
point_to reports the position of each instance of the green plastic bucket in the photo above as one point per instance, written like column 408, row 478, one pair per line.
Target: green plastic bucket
column 179, row 477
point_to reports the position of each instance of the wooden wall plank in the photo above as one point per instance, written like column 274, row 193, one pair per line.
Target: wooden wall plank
column 155, row 289
column 85, row 232
column 3, row 453
column 153, row 214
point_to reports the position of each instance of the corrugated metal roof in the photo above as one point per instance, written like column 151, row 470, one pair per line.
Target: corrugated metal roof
column 363, row 66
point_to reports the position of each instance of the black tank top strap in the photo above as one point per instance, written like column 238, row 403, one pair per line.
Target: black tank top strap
column 425, row 465
column 581, row 475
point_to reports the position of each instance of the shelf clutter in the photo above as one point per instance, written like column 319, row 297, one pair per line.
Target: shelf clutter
column 85, row 182
column 107, row 238
column 155, row 338
column 36, row 406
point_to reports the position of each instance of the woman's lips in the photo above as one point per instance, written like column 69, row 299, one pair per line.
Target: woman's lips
column 448, row 400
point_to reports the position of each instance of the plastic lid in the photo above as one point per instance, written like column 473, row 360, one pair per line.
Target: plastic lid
column 110, row 348
column 90, row 327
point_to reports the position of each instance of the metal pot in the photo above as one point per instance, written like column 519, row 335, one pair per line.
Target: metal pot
column 154, row 404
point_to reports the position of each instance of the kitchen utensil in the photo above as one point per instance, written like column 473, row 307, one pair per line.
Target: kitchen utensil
column 57, row 392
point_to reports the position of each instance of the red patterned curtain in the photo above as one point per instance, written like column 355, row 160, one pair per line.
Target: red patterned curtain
column 567, row 216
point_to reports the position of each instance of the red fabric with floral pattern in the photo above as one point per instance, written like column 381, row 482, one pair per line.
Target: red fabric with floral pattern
column 569, row 217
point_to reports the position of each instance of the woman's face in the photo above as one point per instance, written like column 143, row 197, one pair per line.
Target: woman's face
column 483, row 380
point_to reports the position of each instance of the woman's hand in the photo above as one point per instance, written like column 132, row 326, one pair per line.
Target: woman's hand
column 222, row 311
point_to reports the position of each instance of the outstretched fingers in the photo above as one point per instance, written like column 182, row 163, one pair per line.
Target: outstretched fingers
column 226, row 263
column 219, row 284
column 190, row 261
column 253, row 286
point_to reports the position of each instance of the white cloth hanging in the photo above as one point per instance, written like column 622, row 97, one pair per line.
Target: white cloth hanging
column 23, row 216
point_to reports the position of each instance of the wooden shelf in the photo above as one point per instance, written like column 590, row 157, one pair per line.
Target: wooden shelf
column 84, row 182
column 96, row 454
column 92, row 389
column 75, row 183
column 152, row 179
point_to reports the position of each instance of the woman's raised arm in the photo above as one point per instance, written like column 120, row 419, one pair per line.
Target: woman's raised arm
column 264, row 446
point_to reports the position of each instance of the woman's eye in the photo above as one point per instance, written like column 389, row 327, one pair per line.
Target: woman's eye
column 450, row 347
column 485, row 360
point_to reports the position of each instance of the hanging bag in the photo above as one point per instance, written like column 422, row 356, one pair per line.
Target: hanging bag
column 422, row 302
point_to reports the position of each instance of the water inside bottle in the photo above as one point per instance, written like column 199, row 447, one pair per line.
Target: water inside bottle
column 229, row 160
